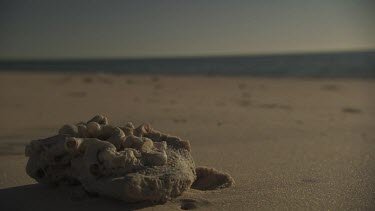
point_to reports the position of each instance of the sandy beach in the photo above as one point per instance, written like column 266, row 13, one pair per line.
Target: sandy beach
column 288, row 143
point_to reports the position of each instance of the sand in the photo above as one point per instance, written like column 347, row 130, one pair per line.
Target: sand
column 288, row 143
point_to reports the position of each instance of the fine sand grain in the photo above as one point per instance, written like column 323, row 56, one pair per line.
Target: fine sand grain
column 288, row 143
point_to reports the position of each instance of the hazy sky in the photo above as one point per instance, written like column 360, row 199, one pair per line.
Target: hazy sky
column 90, row 29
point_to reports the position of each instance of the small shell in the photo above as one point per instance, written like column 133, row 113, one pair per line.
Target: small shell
column 117, row 139
column 72, row 144
column 70, row 130
column 128, row 129
column 102, row 120
column 142, row 130
column 130, row 125
column 82, row 131
column 93, row 129
column 147, row 145
column 133, row 142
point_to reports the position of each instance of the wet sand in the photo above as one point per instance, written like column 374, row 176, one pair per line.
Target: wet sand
column 288, row 143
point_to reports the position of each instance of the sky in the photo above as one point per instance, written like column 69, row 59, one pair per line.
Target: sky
column 73, row 29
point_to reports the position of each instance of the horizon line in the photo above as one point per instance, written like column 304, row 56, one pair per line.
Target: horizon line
column 195, row 56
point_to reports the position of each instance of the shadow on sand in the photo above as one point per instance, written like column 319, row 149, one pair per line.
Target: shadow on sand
column 40, row 197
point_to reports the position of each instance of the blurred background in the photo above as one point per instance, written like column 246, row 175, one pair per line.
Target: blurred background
column 308, row 38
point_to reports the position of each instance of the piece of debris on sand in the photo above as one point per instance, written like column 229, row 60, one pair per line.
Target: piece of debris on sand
column 125, row 163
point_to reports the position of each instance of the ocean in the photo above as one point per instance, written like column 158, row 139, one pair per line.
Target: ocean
column 341, row 64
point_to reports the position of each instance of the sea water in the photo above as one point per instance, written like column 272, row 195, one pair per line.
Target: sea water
column 343, row 64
